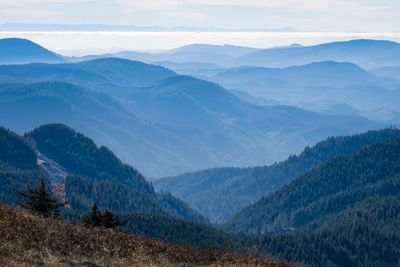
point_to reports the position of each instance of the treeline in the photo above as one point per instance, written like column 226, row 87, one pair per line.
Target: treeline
column 96, row 176
column 15, row 152
column 18, row 168
column 367, row 234
column 82, row 192
column 40, row 201
column 343, row 212
column 81, row 156
column 221, row 193
column 175, row 230
column 330, row 188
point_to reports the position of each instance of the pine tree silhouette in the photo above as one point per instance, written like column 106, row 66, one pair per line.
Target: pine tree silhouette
column 40, row 201
column 108, row 219
column 94, row 218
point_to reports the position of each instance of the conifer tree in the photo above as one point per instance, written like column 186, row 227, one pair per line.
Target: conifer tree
column 108, row 219
column 40, row 201
column 94, row 218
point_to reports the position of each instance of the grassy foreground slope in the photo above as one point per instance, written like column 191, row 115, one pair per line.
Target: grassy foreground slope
column 28, row 240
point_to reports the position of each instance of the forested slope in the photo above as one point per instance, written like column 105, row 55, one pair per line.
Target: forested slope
column 325, row 190
column 222, row 192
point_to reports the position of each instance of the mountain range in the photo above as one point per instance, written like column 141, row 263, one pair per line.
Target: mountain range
column 343, row 208
column 311, row 77
column 368, row 54
column 332, row 73
column 161, row 122
column 332, row 187
column 83, row 163
column 365, row 53
column 77, row 127
column 220, row 193
column 127, row 28
column 315, row 86
column 79, row 171
column 343, row 211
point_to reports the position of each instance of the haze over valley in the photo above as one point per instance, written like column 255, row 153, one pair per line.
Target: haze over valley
column 209, row 137
column 191, row 122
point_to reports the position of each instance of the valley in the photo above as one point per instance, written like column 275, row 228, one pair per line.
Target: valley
column 203, row 155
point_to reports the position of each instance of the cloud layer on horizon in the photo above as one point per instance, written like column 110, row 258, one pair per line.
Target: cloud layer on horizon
column 316, row 15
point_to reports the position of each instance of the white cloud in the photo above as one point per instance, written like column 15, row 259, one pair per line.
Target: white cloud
column 144, row 5
column 304, row 5
column 32, row 3
column 170, row 8
column 151, row 5
column 28, row 12
column 321, row 15
column 191, row 7
column 10, row 2
column 33, row 8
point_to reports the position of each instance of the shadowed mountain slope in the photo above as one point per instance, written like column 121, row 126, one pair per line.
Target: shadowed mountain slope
column 339, row 183
column 22, row 51
column 221, row 193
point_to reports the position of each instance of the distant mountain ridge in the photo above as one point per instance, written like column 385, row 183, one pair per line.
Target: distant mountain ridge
column 100, row 71
column 326, row 73
column 187, row 123
column 230, row 50
column 128, row 28
column 393, row 72
column 22, row 51
column 366, row 53
column 222, row 55
column 300, row 83
column 369, row 54
column 316, row 86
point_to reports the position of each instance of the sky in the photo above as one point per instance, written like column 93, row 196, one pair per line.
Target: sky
column 303, row 15
column 316, row 21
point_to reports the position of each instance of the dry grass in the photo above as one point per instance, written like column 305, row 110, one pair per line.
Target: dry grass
column 27, row 240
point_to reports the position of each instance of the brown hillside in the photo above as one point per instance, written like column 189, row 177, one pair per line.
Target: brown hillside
column 27, row 240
